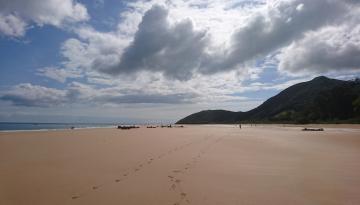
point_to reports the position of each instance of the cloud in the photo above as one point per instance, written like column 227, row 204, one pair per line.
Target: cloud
column 160, row 39
column 174, row 47
column 179, row 98
column 176, row 50
column 15, row 15
column 127, row 95
column 40, row 96
column 93, row 46
column 331, row 49
column 12, row 25
column 58, row 74
column 34, row 95
column 275, row 27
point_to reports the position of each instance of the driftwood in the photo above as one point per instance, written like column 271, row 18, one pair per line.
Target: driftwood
column 313, row 129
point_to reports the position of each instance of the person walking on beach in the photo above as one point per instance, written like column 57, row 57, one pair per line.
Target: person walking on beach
column 240, row 126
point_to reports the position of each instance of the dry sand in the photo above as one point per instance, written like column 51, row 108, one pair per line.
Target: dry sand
column 192, row 165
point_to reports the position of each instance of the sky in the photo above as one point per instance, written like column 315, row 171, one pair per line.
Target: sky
column 158, row 61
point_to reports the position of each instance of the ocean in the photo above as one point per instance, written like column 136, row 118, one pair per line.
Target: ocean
column 11, row 126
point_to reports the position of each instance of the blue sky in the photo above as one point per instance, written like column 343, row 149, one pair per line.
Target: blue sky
column 158, row 60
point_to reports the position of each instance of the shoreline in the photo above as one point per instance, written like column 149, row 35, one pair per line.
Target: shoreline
column 332, row 126
column 50, row 130
column 353, row 126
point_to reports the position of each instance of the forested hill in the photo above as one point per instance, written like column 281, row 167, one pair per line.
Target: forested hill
column 320, row 100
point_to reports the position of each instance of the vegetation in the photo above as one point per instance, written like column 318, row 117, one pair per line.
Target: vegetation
column 321, row 100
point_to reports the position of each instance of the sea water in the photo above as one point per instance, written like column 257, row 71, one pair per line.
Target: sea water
column 11, row 126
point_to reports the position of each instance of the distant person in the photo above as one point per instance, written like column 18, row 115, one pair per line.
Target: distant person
column 240, row 126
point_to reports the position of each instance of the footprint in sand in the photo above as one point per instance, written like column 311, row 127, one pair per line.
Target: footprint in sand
column 173, row 186
column 75, row 197
column 125, row 175
column 117, row 180
column 177, row 171
column 95, row 187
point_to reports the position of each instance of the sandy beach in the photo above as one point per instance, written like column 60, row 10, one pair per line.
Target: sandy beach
column 219, row 164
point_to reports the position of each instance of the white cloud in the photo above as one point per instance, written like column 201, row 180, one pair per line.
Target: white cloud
column 157, row 46
column 92, row 46
column 199, row 36
column 273, row 28
column 147, row 88
column 18, row 13
column 30, row 95
column 12, row 25
column 181, row 45
column 218, row 17
column 59, row 74
column 33, row 95
column 331, row 49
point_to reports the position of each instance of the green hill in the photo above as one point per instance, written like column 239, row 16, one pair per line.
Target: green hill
column 321, row 100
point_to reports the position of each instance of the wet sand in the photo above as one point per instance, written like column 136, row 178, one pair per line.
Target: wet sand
column 193, row 165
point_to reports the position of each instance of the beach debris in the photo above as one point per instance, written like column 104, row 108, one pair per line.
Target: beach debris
column 168, row 126
column 127, row 127
column 151, row 127
column 313, row 129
